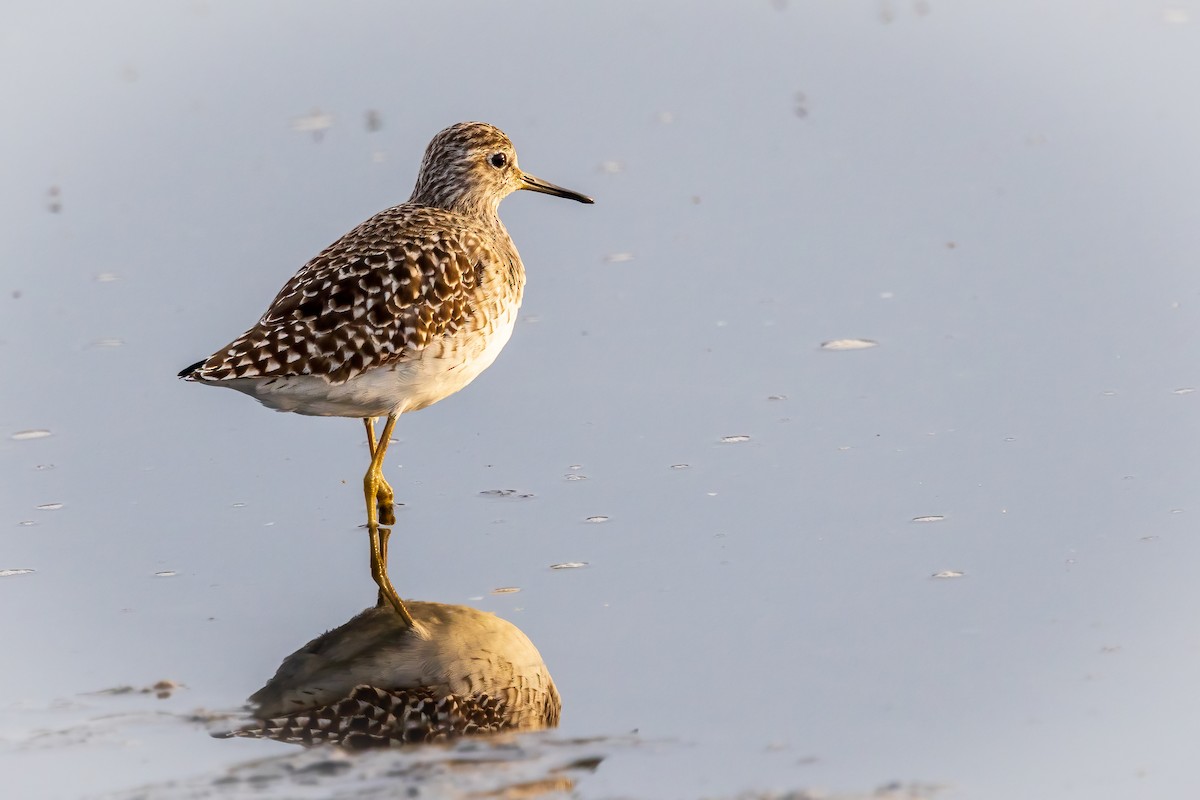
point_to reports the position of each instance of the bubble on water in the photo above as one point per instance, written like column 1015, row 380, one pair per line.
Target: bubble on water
column 315, row 123
column 27, row 523
column 848, row 344
column 506, row 590
column 929, row 518
column 44, row 466
column 680, row 466
column 948, row 573
column 8, row 573
column 569, row 565
column 237, row 505
column 574, row 476
column 24, row 436
column 166, row 573
column 597, row 519
column 777, row 397
column 739, row 437
column 799, row 105
column 108, row 343
column 1184, row 390
column 50, row 506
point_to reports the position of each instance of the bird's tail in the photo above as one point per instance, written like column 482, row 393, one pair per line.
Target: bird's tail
column 186, row 372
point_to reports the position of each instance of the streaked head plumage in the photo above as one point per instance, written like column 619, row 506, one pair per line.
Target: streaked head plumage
column 470, row 167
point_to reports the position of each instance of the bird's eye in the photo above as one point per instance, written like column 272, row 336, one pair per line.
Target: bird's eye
column 498, row 160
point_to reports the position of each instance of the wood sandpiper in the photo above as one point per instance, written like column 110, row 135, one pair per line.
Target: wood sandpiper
column 402, row 311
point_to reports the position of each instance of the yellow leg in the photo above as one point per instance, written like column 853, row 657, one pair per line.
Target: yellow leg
column 384, row 535
column 387, row 592
column 371, row 491
column 373, row 481
column 385, row 505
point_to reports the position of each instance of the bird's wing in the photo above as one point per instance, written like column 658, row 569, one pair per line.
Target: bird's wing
column 382, row 293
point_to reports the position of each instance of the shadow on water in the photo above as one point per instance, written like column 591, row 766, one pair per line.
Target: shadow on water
column 441, row 687
column 378, row 681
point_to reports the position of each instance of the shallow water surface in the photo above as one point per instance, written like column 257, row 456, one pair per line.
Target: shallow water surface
column 755, row 553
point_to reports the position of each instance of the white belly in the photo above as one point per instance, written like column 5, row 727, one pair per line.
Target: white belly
column 438, row 371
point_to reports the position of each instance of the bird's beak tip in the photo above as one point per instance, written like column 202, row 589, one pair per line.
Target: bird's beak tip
column 536, row 184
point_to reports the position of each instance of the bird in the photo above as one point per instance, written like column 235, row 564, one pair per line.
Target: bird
column 379, row 680
column 402, row 311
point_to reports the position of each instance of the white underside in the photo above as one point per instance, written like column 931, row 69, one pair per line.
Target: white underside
column 439, row 371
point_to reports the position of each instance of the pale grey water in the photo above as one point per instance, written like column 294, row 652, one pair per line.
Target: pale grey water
column 1003, row 195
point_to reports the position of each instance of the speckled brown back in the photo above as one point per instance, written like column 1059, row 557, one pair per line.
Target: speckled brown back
column 407, row 278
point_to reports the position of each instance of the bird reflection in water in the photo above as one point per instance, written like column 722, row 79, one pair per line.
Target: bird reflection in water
column 434, row 673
